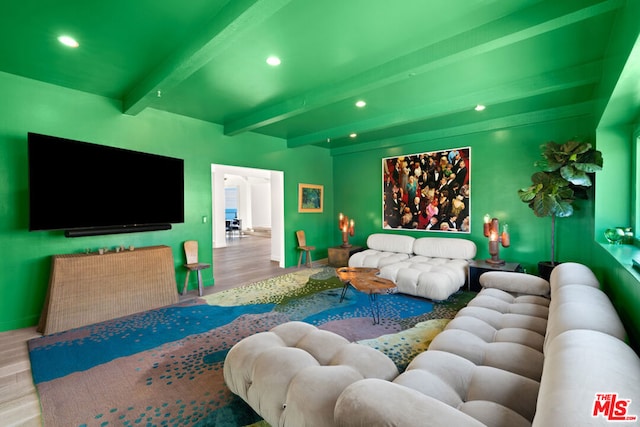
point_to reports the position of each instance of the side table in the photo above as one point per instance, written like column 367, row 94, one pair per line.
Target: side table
column 339, row 256
column 479, row 266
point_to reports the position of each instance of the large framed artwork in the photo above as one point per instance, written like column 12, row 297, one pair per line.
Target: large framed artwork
column 310, row 197
column 428, row 191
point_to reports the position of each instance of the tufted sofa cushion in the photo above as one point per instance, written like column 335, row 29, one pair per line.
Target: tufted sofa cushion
column 579, row 364
column 383, row 249
column 391, row 243
column 515, row 282
column 500, row 330
column 437, row 268
column 272, row 372
column 480, row 391
column 374, row 403
column 578, row 303
column 436, row 382
column 372, row 258
column 571, row 273
column 441, row 247
column 433, row 278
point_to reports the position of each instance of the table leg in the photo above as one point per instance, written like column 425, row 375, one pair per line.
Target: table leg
column 200, row 287
column 344, row 291
column 375, row 308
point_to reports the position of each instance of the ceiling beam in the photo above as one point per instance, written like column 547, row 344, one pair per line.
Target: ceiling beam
column 524, row 88
column 236, row 17
column 618, row 93
column 539, row 19
column 524, row 119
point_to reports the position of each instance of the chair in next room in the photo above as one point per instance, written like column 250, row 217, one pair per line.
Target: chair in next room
column 304, row 248
column 191, row 252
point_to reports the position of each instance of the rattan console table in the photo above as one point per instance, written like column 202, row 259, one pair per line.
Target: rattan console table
column 91, row 288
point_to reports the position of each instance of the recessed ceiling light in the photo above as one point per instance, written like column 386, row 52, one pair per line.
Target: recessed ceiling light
column 274, row 61
column 360, row 104
column 68, row 41
column 353, row 135
column 480, row 107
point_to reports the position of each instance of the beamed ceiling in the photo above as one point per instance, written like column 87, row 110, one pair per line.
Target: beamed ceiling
column 420, row 65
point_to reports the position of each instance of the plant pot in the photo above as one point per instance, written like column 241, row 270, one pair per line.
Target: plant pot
column 545, row 268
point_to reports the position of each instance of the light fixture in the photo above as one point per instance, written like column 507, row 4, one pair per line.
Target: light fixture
column 480, row 107
column 491, row 230
column 347, row 227
column 274, row 61
column 353, row 135
column 360, row 104
column 68, row 41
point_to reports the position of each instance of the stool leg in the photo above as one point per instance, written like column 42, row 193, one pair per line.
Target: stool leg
column 309, row 259
column 200, row 287
column 186, row 283
column 300, row 259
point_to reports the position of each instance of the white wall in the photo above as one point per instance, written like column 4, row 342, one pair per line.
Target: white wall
column 261, row 203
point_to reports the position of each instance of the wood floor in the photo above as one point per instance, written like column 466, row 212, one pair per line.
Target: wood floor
column 19, row 404
column 243, row 261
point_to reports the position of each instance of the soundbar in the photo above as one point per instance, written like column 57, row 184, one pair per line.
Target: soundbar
column 100, row 231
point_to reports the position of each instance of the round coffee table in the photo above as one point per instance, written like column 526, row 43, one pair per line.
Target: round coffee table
column 366, row 280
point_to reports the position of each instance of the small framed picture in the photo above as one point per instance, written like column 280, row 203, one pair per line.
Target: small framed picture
column 310, row 197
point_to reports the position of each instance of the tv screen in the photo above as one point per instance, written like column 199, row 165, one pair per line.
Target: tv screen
column 96, row 189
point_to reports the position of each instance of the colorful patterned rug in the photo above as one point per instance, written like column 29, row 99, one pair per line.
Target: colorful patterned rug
column 164, row 367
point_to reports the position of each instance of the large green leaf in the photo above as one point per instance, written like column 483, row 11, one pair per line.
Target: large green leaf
column 566, row 193
column 544, row 205
column 557, row 155
column 527, row 194
column 563, row 209
column 549, row 195
column 589, row 162
column 575, row 176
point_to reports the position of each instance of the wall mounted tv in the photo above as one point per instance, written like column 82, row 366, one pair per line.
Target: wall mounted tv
column 88, row 189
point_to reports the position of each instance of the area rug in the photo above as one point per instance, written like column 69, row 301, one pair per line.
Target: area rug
column 164, row 367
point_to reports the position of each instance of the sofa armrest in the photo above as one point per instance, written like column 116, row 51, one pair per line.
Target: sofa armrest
column 519, row 283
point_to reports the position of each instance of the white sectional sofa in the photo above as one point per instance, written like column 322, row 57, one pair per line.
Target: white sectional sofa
column 429, row 267
column 512, row 357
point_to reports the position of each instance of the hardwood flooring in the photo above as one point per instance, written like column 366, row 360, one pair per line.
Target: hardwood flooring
column 19, row 403
column 243, row 261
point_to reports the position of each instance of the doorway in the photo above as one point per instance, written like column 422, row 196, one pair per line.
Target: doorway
column 259, row 201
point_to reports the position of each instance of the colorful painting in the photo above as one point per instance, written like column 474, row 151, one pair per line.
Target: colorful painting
column 428, row 191
column 310, row 197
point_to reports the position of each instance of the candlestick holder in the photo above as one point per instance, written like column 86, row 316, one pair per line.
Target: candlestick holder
column 491, row 230
column 347, row 227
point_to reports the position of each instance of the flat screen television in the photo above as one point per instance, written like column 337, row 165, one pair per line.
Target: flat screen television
column 90, row 189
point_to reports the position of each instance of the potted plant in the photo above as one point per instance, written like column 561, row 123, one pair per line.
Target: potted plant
column 564, row 177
